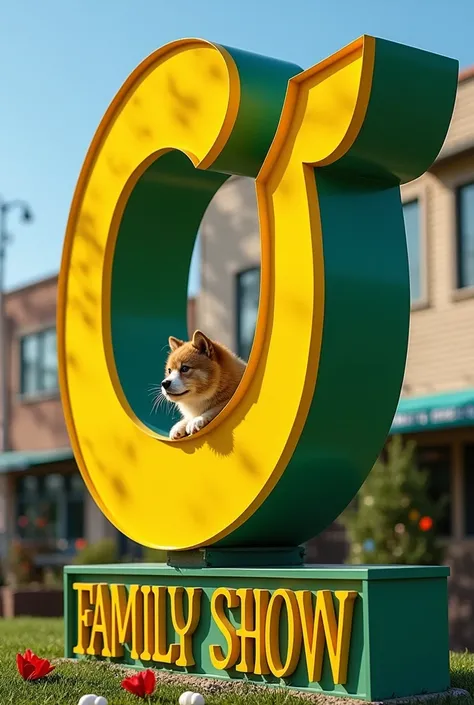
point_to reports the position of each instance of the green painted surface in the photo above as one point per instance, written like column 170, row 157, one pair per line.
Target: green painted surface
column 150, row 273
column 408, row 638
column 238, row 557
column 410, row 108
column 263, row 85
column 392, row 602
column 363, row 355
column 434, row 411
column 369, row 573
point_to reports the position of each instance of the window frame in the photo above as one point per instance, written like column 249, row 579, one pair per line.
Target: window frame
column 460, row 291
column 456, row 438
column 463, row 444
column 42, row 393
column 238, row 297
column 66, row 495
column 420, row 196
column 433, row 444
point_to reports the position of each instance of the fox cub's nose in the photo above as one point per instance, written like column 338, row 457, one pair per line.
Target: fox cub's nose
column 166, row 384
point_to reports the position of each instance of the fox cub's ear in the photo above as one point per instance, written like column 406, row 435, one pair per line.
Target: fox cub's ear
column 175, row 343
column 203, row 344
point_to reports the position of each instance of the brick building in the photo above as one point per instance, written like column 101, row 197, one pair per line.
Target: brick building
column 43, row 500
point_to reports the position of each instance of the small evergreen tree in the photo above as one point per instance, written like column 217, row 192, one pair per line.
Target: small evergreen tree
column 393, row 520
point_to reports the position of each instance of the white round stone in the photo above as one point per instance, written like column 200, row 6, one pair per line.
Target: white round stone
column 100, row 701
column 87, row 699
column 197, row 699
column 185, row 698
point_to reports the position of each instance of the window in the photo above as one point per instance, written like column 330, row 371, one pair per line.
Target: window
column 248, row 292
column 50, row 507
column 436, row 460
column 39, row 363
column 469, row 488
column 411, row 215
column 75, row 493
column 465, row 235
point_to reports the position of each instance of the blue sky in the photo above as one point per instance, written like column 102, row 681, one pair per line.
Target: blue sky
column 63, row 61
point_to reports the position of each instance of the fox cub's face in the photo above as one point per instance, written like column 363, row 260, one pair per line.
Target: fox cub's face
column 192, row 370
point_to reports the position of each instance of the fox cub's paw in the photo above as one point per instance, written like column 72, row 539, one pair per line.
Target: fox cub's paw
column 195, row 425
column 178, row 431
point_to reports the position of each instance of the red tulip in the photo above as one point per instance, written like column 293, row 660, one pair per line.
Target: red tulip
column 142, row 684
column 31, row 667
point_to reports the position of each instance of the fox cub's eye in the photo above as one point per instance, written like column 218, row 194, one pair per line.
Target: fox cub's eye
column 169, row 370
column 184, row 368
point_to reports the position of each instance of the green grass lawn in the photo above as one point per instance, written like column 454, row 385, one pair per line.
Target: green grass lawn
column 71, row 680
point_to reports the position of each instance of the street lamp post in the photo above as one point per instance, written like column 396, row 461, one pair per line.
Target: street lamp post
column 26, row 215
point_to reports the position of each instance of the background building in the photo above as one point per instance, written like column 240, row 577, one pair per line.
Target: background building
column 43, row 500
column 44, row 504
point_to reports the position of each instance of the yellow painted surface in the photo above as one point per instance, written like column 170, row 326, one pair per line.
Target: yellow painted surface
column 177, row 493
column 162, row 652
column 99, row 641
column 185, row 627
column 85, row 614
column 321, row 627
column 126, row 620
column 251, row 632
column 222, row 598
column 148, row 611
column 279, row 599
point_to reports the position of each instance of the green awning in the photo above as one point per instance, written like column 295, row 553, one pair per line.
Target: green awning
column 435, row 412
column 18, row 460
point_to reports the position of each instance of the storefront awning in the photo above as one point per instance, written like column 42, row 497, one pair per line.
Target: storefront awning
column 16, row 460
column 434, row 412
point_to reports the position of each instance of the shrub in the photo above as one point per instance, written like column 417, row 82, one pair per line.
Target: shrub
column 394, row 520
column 152, row 555
column 104, row 551
column 20, row 564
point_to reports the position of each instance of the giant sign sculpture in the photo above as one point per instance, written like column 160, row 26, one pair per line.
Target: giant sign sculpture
column 328, row 148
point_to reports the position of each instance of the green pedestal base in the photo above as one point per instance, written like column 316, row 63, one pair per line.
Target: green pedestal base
column 288, row 557
column 398, row 636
